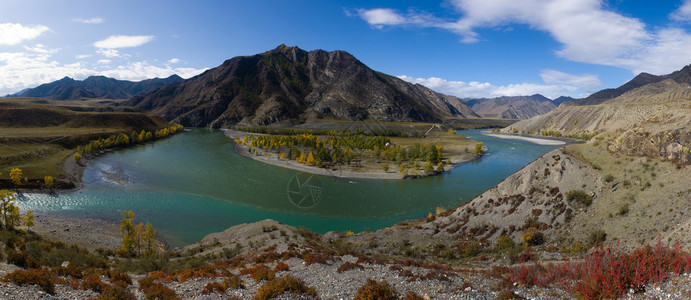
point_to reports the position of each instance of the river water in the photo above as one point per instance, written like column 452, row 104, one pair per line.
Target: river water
column 193, row 184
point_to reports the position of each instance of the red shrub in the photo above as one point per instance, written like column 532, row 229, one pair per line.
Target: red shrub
column 94, row 283
column 348, row 266
column 281, row 266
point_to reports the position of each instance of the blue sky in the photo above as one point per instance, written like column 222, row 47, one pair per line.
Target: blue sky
column 466, row 48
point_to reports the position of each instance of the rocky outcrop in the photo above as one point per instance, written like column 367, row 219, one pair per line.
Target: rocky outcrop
column 288, row 85
column 535, row 196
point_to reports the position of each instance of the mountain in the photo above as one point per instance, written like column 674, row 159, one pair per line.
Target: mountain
column 562, row 99
column 96, row 87
column 514, row 107
column 288, row 85
column 606, row 94
column 653, row 120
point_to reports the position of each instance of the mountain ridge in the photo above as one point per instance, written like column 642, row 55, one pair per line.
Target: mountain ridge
column 288, row 85
column 95, row 87
column 511, row 107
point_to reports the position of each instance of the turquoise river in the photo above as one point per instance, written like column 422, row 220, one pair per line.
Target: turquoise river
column 193, row 184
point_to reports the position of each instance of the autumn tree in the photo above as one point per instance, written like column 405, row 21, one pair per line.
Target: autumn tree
column 8, row 211
column 440, row 167
column 386, row 167
column 427, row 166
column 28, row 219
column 129, row 234
column 136, row 239
column 310, row 160
column 48, row 181
column 16, row 176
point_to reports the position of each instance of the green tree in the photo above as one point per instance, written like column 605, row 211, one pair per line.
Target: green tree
column 427, row 167
column 440, row 167
column 386, row 167
column 16, row 176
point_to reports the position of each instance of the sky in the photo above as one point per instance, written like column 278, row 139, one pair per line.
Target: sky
column 465, row 48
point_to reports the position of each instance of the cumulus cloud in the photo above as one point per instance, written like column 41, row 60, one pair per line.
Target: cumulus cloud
column 104, row 61
column 14, row 33
column 82, row 56
column 683, row 13
column 381, row 16
column 108, row 52
column 474, row 89
column 123, row 41
column 20, row 70
column 174, row 60
column 586, row 30
column 89, row 21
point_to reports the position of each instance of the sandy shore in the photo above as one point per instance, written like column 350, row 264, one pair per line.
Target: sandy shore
column 537, row 141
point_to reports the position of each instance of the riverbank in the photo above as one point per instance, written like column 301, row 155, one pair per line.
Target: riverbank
column 361, row 173
column 537, row 141
column 89, row 233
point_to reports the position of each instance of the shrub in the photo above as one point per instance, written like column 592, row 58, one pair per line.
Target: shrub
column 504, row 242
column 155, row 290
column 580, row 196
column 233, row 282
column 40, row 277
column 116, row 291
column 72, row 269
column 373, row 290
column 624, row 209
column 260, row 273
column 597, row 237
column 348, row 266
column 412, row 296
column 468, row 249
column 532, row 237
column 119, row 277
column 609, row 178
column 93, row 282
column 214, row 287
column 281, row 266
column 286, row 284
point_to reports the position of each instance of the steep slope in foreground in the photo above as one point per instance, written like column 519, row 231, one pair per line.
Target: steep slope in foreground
column 516, row 107
column 96, row 87
column 288, row 85
column 653, row 120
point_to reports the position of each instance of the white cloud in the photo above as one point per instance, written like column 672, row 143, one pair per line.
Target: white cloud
column 20, row 70
column 108, row 52
column 123, row 41
column 683, row 13
column 104, row 61
column 39, row 48
column 587, row 82
column 174, row 60
column 381, row 16
column 474, row 89
column 14, row 33
column 89, row 21
column 82, row 56
column 586, row 30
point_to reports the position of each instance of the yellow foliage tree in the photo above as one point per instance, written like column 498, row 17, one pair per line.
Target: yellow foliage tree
column 29, row 219
column 9, row 211
column 310, row 160
column 48, row 181
column 440, row 167
column 76, row 157
column 16, row 176
column 129, row 234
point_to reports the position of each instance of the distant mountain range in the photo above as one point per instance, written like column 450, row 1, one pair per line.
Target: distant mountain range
column 288, row 85
column 647, row 119
column 95, row 87
column 512, row 107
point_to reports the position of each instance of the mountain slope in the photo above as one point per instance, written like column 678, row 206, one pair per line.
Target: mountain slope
column 516, row 107
column 653, row 120
column 96, row 87
column 288, row 85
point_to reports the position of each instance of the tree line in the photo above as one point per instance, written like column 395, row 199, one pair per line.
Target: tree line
column 124, row 139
